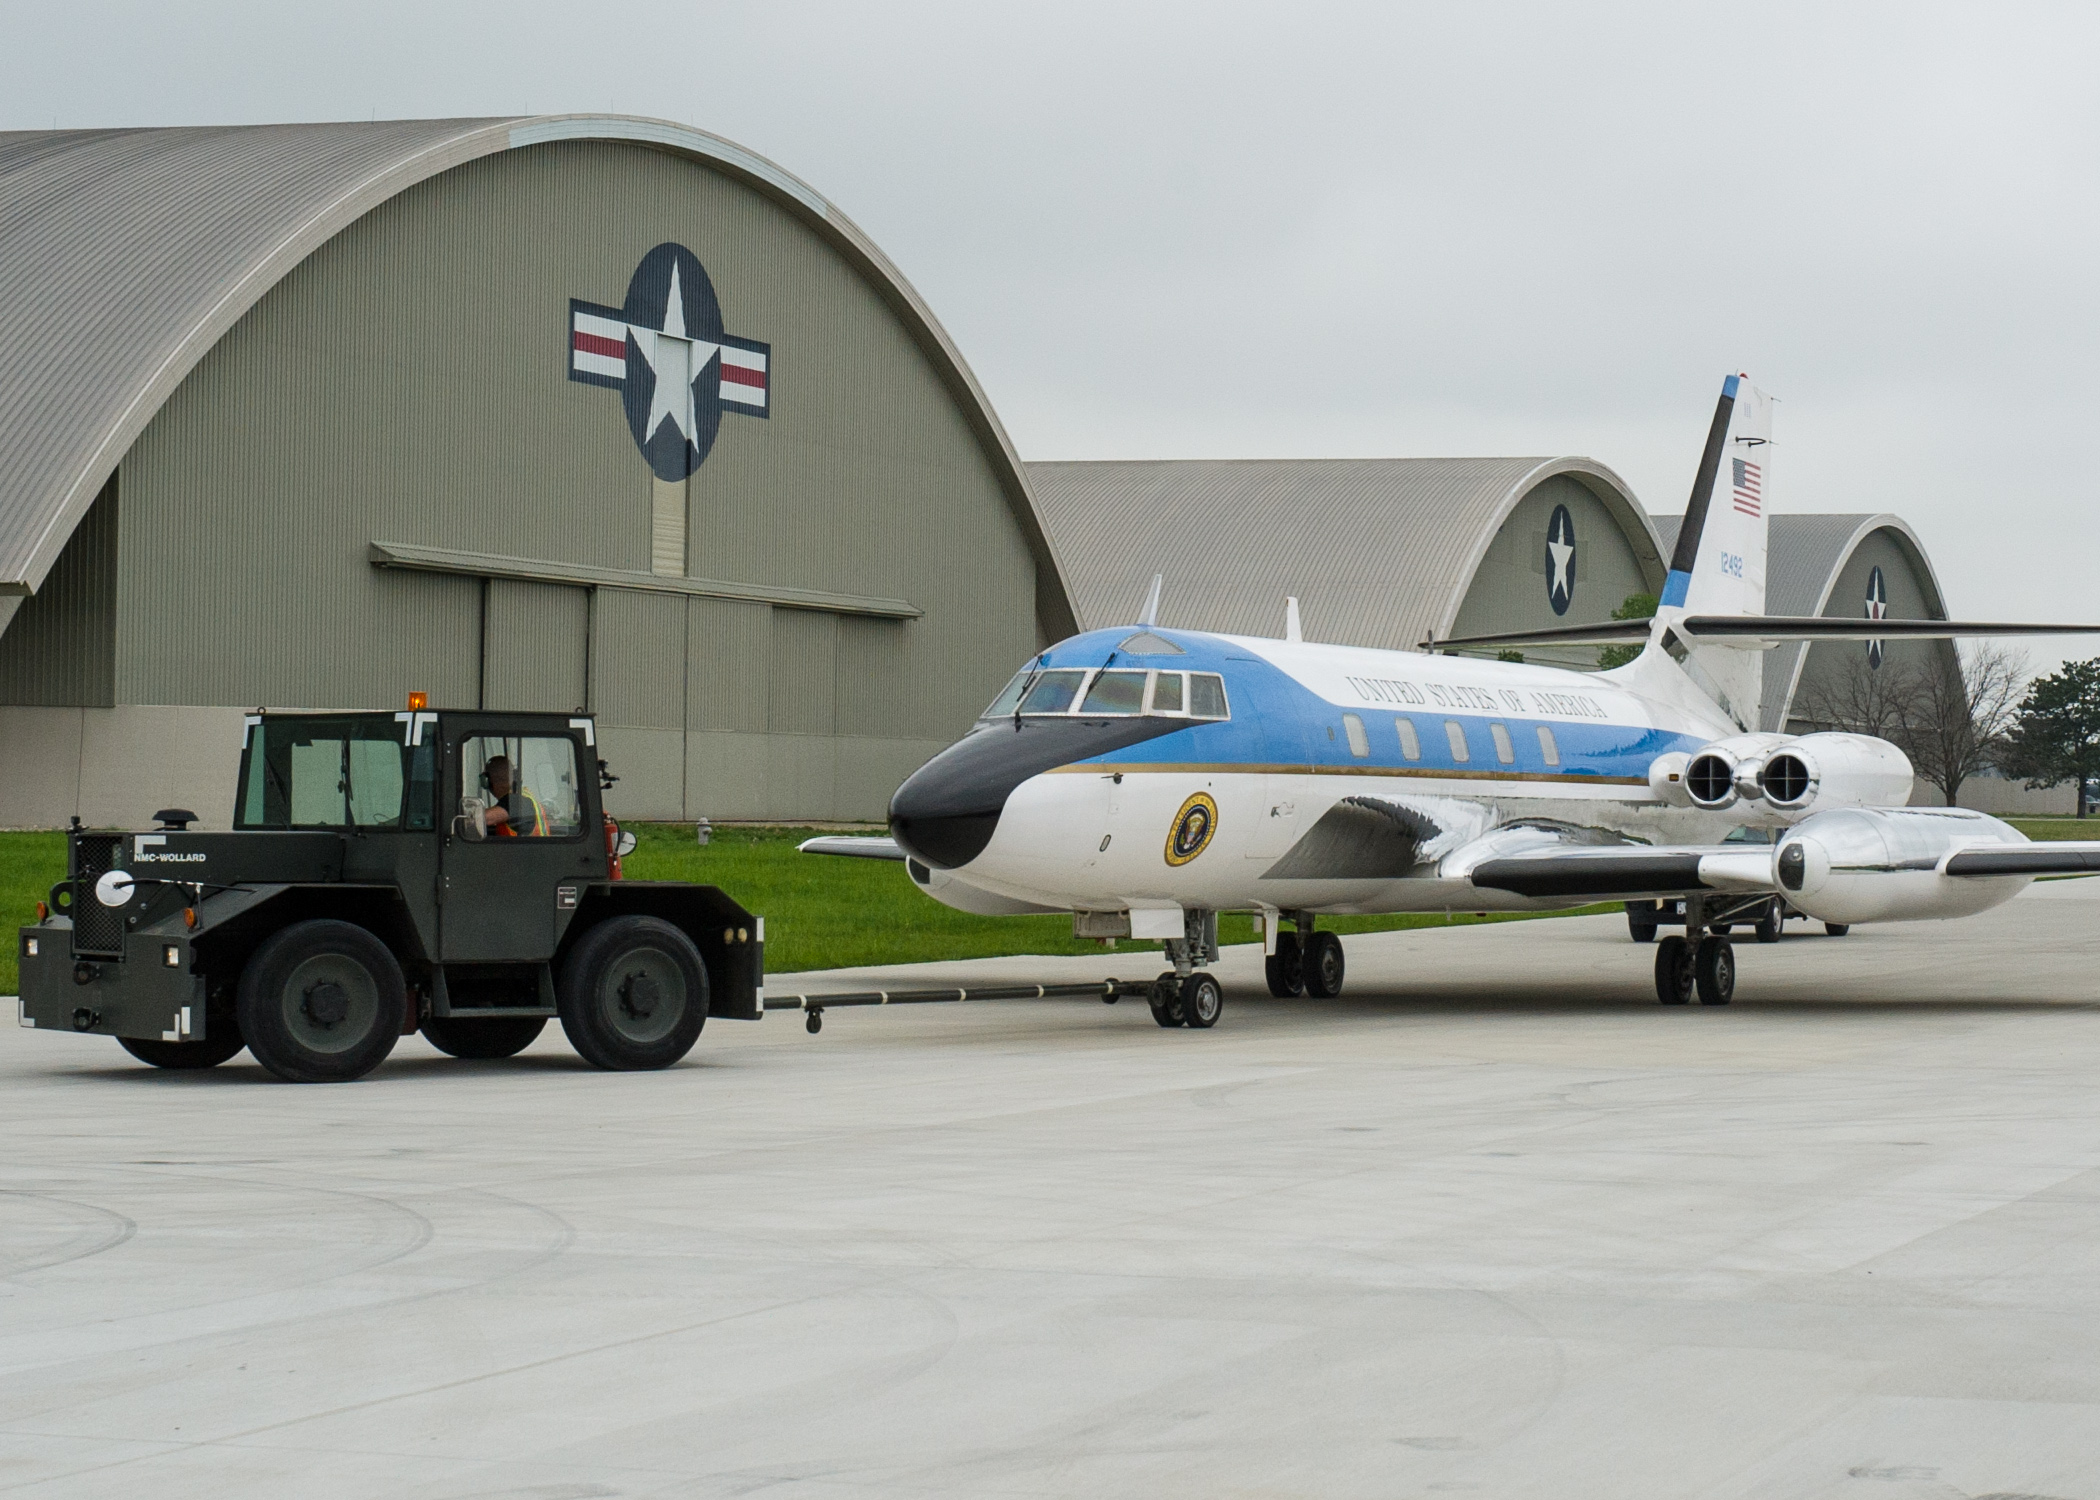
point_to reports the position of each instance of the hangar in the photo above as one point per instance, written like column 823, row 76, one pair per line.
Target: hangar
column 595, row 412
column 543, row 413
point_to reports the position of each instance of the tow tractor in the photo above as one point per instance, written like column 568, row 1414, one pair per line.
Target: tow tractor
column 448, row 872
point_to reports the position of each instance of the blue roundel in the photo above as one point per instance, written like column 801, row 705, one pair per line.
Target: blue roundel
column 664, row 350
column 675, row 324
column 1560, row 560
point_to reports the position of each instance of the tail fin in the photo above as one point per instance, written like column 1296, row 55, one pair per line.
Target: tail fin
column 1718, row 567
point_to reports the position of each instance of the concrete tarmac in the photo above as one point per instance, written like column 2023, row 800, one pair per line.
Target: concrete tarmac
column 1495, row 1223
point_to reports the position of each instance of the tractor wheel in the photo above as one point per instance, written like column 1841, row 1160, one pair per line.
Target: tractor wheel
column 483, row 1036
column 322, row 1002
column 633, row 994
column 181, row 1056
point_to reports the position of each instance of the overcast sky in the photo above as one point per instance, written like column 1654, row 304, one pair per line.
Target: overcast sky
column 1349, row 230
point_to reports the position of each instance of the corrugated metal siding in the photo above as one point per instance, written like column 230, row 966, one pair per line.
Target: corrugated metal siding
column 729, row 665
column 872, row 695
column 534, row 647
column 638, row 659
column 61, row 648
column 115, row 245
column 1509, row 588
column 805, row 656
column 1378, row 551
column 408, row 383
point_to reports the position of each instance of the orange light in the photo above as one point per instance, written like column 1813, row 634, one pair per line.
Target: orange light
column 418, row 701
column 42, row 911
column 189, row 916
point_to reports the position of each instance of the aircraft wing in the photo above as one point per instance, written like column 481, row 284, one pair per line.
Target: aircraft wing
column 1631, row 870
column 852, row 847
column 1760, row 628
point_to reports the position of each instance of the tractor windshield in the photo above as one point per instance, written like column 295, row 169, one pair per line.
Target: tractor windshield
column 347, row 772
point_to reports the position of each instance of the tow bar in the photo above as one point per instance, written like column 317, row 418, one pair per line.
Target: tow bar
column 1107, row 991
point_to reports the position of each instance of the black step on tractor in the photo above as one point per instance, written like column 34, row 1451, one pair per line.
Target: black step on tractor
column 453, row 873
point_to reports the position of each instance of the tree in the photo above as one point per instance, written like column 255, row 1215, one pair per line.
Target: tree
column 1636, row 607
column 1950, row 720
column 1954, row 723
column 2056, row 736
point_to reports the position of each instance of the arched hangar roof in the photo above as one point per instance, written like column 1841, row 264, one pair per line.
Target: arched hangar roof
column 126, row 254
column 1804, row 557
column 1380, row 551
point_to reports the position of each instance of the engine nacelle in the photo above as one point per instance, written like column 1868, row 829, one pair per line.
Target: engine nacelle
column 1883, row 864
column 1820, row 771
column 1724, row 773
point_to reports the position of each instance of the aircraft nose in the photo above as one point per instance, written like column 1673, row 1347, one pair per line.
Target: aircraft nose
column 947, row 811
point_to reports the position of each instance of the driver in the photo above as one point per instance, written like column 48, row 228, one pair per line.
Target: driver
column 513, row 811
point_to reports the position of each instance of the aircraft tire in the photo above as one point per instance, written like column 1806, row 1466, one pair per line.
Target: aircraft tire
column 1166, row 1000
column 1674, row 979
column 1772, row 923
column 1202, row 1001
column 1837, row 929
column 1713, row 970
column 1285, row 968
column 1324, row 967
column 1641, row 931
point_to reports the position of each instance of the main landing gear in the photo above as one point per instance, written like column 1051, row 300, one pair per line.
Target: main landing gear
column 1305, row 962
column 1702, row 962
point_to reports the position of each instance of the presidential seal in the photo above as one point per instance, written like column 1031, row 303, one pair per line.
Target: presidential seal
column 1193, row 826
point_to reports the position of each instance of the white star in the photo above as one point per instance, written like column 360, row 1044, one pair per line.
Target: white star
column 1563, row 566
column 677, row 362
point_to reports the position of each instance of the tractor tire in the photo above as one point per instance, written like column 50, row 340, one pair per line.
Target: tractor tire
column 321, row 1002
column 633, row 995
column 479, row 1037
column 186, row 1056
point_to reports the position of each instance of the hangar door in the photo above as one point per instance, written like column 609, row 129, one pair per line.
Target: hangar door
column 535, row 639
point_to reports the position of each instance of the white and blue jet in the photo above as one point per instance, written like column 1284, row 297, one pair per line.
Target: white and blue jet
column 1145, row 779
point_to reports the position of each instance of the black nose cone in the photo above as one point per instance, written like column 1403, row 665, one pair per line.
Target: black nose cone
column 946, row 813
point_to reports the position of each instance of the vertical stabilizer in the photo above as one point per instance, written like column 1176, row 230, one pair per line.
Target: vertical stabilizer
column 1718, row 567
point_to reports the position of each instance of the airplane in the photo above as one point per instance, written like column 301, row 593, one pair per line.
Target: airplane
column 1145, row 778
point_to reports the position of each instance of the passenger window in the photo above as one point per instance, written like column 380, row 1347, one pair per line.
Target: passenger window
column 1115, row 693
column 1455, row 732
column 1504, row 750
column 525, row 786
column 1053, row 692
column 1166, row 693
column 1359, row 742
column 1410, row 742
column 1547, row 747
column 1206, row 695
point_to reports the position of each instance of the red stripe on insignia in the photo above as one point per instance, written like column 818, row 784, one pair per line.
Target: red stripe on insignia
column 739, row 375
column 591, row 343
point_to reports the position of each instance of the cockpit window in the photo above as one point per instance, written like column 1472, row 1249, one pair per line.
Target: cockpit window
column 1009, row 695
column 1115, row 693
column 1118, row 691
column 1052, row 693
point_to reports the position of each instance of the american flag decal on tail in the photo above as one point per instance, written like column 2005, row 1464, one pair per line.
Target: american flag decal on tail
column 1749, row 488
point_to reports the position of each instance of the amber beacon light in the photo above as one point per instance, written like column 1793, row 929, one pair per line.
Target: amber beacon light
column 417, row 702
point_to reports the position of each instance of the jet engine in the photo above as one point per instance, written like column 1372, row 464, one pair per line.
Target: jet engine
column 1724, row 773
column 1819, row 771
column 1888, row 864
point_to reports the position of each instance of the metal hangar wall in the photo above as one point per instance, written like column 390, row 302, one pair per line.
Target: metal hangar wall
column 555, row 413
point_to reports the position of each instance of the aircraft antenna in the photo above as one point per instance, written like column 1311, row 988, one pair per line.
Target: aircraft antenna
column 1292, row 630
column 1149, row 615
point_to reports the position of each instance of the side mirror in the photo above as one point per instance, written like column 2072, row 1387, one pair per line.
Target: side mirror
column 473, row 820
column 625, row 845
